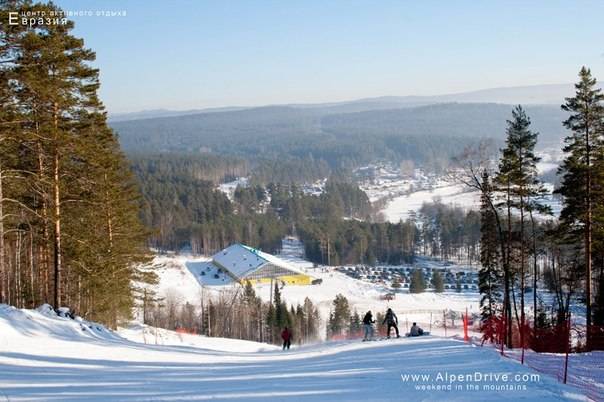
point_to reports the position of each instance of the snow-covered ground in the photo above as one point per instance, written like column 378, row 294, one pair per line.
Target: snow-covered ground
column 229, row 188
column 404, row 194
column 48, row 358
column 458, row 195
column 146, row 334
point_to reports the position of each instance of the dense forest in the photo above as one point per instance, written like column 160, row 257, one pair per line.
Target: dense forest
column 428, row 135
column 283, row 145
column 70, row 233
column 187, row 210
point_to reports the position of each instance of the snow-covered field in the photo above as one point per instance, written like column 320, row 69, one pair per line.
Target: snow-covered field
column 405, row 194
column 48, row 358
column 458, row 195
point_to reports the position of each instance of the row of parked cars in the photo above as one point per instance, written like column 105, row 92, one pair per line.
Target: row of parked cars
column 466, row 280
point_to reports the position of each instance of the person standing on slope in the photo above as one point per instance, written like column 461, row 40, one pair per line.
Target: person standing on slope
column 286, row 335
column 392, row 321
column 368, row 322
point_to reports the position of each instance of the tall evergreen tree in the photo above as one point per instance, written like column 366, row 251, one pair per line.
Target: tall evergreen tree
column 519, row 181
column 280, row 309
column 339, row 318
column 438, row 282
column 488, row 276
column 418, row 283
column 527, row 189
column 581, row 185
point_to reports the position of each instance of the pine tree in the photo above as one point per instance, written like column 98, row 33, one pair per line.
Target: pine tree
column 438, row 283
column 65, row 88
column 340, row 315
column 418, row 283
column 488, row 276
column 312, row 320
column 280, row 310
column 580, row 182
column 119, row 234
column 517, row 177
column 76, row 202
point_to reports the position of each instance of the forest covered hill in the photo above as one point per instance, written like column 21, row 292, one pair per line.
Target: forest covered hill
column 428, row 135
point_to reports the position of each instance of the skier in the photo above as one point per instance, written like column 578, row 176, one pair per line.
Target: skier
column 286, row 335
column 415, row 330
column 368, row 322
column 392, row 321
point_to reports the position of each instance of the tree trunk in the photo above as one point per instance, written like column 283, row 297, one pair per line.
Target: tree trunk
column 506, row 273
column 58, row 267
column 44, row 249
column 534, row 235
column 522, row 261
column 3, row 283
column 588, row 240
column 32, row 287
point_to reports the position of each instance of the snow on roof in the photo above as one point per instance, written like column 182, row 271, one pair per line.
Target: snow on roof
column 241, row 260
column 274, row 260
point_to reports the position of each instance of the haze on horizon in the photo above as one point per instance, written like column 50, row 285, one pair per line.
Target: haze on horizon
column 196, row 55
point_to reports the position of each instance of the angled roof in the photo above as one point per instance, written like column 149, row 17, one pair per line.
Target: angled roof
column 274, row 260
column 238, row 260
column 241, row 260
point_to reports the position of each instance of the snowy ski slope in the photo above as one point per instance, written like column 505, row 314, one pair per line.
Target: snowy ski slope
column 48, row 358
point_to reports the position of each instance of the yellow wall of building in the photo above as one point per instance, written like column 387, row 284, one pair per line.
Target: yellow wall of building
column 288, row 279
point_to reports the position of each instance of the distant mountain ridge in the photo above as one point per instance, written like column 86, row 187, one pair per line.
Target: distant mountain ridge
column 550, row 94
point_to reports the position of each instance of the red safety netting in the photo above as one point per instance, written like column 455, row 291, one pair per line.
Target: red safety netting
column 182, row 330
column 554, row 350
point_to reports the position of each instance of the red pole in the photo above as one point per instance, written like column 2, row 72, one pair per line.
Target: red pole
column 567, row 347
column 502, row 337
column 465, row 327
column 522, row 339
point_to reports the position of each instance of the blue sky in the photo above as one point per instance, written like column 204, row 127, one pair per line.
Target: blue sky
column 196, row 54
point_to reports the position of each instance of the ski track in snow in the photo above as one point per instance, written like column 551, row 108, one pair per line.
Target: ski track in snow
column 49, row 358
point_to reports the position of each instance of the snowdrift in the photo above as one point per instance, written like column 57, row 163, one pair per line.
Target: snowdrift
column 15, row 324
column 157, row 336
column 43, row 324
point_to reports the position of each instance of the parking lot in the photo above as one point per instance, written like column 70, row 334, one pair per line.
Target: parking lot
column 453, row 280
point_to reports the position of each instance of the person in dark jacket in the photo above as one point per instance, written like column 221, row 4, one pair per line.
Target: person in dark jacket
column 368, row 322
column 286, row 335
column 392, row 321
column 416, row 330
